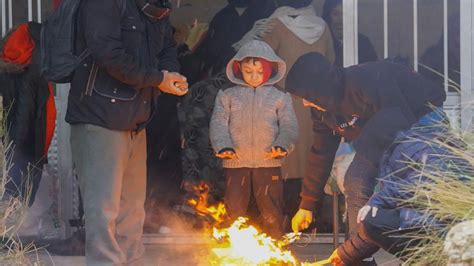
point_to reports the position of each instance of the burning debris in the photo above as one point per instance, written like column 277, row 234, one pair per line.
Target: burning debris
column 240, row 243
column 216, row 214
column 243, row 244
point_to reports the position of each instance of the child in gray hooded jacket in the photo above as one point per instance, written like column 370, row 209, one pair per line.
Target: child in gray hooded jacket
column 253, row 127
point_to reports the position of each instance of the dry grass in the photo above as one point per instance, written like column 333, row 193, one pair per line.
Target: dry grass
column 445, row 197
column 12, row 213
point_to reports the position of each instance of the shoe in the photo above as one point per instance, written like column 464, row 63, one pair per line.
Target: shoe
column 75, row 245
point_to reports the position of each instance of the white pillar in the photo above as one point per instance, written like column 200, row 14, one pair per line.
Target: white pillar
column 39, row 7
column 467, row 61
column 350, row 32
column 445, row 45
column 385, row 29
column 4, row 17
column 30, row 10
column 10, row 14
column 415, row 35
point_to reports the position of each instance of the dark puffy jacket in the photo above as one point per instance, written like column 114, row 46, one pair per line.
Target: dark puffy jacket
column 116, row 87
column 28, row 105
column 418, row 146
column 384, row 97
column 25, row 94
column 413, row 153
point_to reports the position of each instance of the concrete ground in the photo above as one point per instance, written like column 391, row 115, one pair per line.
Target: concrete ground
column 194, row 254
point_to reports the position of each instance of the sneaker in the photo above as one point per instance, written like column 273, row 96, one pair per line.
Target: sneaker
column 72, row 246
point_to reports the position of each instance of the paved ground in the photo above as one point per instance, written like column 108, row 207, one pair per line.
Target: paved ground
column 189, row 255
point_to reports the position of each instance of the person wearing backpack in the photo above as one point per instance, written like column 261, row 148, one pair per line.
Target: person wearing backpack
column 113, row 95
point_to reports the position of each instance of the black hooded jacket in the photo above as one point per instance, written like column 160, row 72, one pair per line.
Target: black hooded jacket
column 367, row 103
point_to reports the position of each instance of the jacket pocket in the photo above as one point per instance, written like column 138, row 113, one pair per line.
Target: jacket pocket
column 132, row 34
column 109, row 87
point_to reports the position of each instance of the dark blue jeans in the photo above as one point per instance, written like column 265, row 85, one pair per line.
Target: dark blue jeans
column 25, row 176
column 359, row 184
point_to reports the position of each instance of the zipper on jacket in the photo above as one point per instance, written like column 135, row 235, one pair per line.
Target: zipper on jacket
column 253, row 135
column 91, row 80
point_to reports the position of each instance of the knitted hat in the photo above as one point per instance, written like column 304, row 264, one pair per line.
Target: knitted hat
column 313, row 78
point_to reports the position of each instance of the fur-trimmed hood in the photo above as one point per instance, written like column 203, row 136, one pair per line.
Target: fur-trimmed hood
column 11, row 68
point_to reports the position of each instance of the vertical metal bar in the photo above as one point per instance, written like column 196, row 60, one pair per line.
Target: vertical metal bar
column 445, row 43
column 335, row 219
column 349, row 32
column 385, row 29
column 467, row 61
column 415, row 35
column 39, row 7
column 10, row 14
column 356, row 32
column 30, row 10
column 4, row 17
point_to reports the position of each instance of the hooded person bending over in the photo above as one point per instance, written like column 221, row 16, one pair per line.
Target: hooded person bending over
column 368, row 104
column 418, row 156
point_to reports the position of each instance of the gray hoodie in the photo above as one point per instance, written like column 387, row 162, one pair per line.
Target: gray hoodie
column 253, row 120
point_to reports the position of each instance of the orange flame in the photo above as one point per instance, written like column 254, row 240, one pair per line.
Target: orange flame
column 244, row 245
column 241, row 243
column 217, row 212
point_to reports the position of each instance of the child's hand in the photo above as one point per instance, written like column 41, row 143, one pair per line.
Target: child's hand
column 277, row 152
column 227, row 153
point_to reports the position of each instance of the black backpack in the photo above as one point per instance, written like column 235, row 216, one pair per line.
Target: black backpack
column 58, row 58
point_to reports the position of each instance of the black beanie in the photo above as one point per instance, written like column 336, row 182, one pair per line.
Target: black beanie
column 313, row 78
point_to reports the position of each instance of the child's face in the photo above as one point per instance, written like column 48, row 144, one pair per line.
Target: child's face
column 252, row 72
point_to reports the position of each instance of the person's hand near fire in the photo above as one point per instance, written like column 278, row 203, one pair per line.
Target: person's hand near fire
column 173, row 83
column 301, row 220
column 276, row 152
column 227, row 153
column 366, row 210
column 335, row 259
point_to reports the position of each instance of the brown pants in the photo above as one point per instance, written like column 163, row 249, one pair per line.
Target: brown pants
column 111, row 166
column 266, row 185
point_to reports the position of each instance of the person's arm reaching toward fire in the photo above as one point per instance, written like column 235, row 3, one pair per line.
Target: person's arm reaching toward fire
column 320, row 160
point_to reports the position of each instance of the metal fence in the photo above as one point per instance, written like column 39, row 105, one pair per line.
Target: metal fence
column 459, row 105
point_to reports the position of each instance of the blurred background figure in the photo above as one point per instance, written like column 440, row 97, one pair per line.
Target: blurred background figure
column 332, row 14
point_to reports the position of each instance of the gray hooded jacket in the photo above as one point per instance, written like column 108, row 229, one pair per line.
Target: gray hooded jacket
column 252, row 121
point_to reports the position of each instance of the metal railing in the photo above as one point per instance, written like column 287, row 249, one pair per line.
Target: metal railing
column 459, row 103
column 7, row 7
